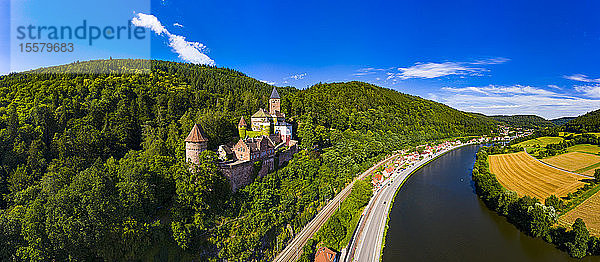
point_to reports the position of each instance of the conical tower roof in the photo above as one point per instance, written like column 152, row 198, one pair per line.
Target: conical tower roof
column 196, row 135
column 274, row 94
column 242, row 122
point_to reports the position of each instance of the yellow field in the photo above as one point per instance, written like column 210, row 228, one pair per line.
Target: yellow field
column 588, row 211
column 524, row 174
column 584, row 148
column 573, row 161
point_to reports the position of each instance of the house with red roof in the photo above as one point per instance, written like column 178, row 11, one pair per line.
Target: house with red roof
column 325, row 254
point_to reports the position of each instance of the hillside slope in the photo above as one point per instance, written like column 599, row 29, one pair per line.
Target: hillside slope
column 361, row 106
column 589, row 122
column 524, row 121
column 561, row 121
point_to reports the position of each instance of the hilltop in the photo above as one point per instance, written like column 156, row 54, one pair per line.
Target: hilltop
column 362, row 106
column 589, row 122
column 561, row 121
column 524, row 121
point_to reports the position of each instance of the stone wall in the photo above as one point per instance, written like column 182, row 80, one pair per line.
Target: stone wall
column 287, row 155
column 240, row 173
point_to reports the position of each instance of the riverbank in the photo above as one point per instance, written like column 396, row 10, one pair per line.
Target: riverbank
column 529, row 215
column 437, row 216
column 368, row 243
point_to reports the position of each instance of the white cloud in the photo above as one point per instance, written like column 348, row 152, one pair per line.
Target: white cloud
column 491, row 61
column 582, row 78
column 188, row 51
column 297, row 76
column 431, row 70
column 555, row 87
column 367, row 71
column 589, row 90
column 517, row 99
column 149, row 21
column 178, row 25
column 267, row 82
column 434, row 70
column 493, row 89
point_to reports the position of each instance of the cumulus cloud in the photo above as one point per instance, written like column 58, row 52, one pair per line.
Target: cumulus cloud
column 192, row 52
column 178, row 25
column 582, row 78
column 518, row 99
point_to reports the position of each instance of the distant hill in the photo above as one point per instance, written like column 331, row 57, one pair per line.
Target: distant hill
column 589, row 122
column 524, row 121
column 561, row 121
column 362, row 106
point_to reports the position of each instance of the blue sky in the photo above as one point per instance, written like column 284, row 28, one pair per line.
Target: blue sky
column 506, row 57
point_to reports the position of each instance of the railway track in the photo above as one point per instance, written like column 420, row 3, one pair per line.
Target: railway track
column 294, row 249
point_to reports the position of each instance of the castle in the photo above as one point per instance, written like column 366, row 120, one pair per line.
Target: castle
column 268, row 143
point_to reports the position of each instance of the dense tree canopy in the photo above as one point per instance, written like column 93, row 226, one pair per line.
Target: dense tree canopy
column 589, row 122
column 524, row 121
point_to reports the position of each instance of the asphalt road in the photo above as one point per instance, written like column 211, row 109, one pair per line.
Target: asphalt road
column 294, row 249
column 369, row 236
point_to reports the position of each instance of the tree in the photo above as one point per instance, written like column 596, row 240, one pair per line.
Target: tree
column 555, row 202
column 597, row 175
column 578, row 245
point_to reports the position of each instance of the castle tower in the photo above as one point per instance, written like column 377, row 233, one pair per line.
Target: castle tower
column 274, row 102
column 195, row 143
column 242, row 128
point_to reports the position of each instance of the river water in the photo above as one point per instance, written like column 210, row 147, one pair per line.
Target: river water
column 437, row 217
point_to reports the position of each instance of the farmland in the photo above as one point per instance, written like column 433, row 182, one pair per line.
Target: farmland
column 584, row 148
column 527, row 176
column 573, row 161
column 588, row 211
column 540, row 141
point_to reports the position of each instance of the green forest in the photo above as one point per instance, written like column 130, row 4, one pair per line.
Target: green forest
column 524, row 121
column 92, row 164
column 589, row 122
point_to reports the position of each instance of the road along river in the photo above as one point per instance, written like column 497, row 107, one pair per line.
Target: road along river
column 436, row 216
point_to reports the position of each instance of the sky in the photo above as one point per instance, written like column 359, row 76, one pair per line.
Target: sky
column 490, row 57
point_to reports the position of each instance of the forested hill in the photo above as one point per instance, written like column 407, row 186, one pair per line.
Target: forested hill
column 589, row 122
column 92, row 165
column 561, row 121
column 361, row 106
column 525, row 121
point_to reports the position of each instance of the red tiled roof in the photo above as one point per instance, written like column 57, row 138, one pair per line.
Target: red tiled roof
column 196, row 135
column 377, row 177
column 324, row 254
column 242, row 122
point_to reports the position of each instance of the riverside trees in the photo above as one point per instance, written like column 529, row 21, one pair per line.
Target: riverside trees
column 529, row 215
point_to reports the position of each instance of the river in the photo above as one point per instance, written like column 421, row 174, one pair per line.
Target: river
column 437, row 216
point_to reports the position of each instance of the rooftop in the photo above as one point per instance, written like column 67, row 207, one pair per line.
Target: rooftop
column 274, row 94
column 196, row 135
